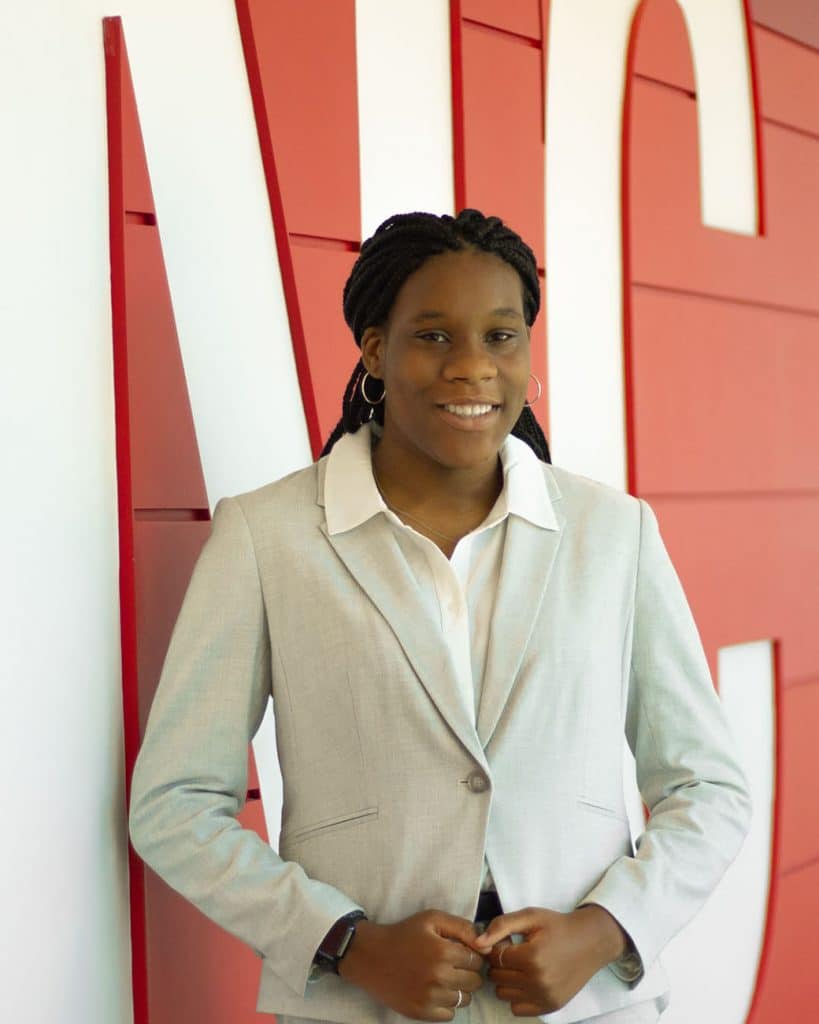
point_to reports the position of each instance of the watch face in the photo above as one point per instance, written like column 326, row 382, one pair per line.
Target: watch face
column 336, row 941
column 345, row 939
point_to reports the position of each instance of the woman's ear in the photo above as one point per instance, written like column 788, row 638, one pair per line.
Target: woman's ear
column 372, row 351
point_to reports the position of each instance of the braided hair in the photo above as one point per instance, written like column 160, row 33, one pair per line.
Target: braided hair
column 398, row 248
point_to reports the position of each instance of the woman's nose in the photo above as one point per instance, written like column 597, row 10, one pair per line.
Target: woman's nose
column 470, row 361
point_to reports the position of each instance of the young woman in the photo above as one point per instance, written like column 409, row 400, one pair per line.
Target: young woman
column 457, row 637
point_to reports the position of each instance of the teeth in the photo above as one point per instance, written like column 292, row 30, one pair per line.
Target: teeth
column 469, row 410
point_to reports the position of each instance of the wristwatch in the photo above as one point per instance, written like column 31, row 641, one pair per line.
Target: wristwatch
column 337, row 941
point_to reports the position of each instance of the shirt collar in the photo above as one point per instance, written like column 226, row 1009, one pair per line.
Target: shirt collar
column 351, row 496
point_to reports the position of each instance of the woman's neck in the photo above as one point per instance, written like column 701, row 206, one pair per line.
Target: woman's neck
column 441, row 502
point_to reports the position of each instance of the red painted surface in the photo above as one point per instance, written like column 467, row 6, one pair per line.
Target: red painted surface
column 671, row 248
column 663, row 52
column 788, row 979
column 182, row 964
column 521, row 17
column 721, row 353
column 787, row 72
column 498, row 128
column 117, row 94
column 309, row 141
column 788, row 81
column 163, row 475
column 798, row 19
column 799, row 839
column 750, row 566
column 301, row 48
column 750, row 423
column 503, row 131
column 320, row 276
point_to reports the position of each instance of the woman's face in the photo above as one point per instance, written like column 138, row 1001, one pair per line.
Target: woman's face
column 454, row 358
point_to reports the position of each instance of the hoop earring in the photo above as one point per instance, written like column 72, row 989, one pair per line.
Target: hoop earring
column 364, row 394
column 539, row 391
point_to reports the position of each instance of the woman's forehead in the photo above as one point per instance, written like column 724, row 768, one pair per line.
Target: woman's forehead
column 464, row 277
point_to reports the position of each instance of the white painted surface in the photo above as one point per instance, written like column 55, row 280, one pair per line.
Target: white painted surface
column 64, row 929
column 588, row 46
column 734, row 918
column 405, row 108
column 725, row 113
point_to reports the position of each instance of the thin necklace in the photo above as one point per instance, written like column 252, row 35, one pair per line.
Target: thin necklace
column 409, row 515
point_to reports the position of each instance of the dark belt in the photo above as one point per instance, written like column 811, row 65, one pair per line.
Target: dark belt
column 489, row 906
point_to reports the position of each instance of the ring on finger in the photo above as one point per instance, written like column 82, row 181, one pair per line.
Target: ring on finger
column 460, row 999
column 500, row 956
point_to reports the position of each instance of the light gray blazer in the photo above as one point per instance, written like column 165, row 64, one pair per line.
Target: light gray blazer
column 391, row 793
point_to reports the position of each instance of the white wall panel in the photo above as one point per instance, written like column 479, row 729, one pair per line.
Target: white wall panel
column 63, row 888
column 405, row 108
column 702, row 989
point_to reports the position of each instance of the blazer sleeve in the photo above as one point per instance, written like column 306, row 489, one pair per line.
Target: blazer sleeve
column 190, row 779
column 696, row 793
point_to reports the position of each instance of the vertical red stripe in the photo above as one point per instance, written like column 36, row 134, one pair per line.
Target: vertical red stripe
column 753, row 65
column 458, row 143
column 629, row 424
column 112, row 38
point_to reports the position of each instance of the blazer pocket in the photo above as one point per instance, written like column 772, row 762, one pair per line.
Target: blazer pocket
column 598, row 808
column 296, row 835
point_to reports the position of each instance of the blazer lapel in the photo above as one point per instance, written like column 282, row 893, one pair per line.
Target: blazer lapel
column 373, row 557
column 528, row 555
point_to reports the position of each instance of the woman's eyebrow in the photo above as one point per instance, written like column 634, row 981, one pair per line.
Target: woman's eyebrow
column 432, row 314
column 427, row 314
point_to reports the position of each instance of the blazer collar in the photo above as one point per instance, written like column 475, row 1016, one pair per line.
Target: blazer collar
column 369, row 550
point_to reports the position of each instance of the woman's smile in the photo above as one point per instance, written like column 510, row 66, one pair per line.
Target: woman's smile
column 473, row 415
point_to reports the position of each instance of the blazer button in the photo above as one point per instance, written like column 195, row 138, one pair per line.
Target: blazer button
column 477, row 782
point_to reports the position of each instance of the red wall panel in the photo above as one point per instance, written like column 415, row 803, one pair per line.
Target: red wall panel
column 303, row 48
column 663, row 51
column 788, row 81
column 750, row 567
column 503, row 130
column 498, row 128
column 671, row 247
column 320, row 276
column 724, row 396
column 787, row 72
column 522, row 17
column 301, row 63
column 789, row 982
column 799, row 792
column 798, row 19
column 163, row 475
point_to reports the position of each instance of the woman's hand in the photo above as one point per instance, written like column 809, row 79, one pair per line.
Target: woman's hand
column 558, row 955
column 416, row 966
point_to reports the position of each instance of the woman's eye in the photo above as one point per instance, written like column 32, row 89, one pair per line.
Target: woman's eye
column 501, row 336
column 432, row 336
